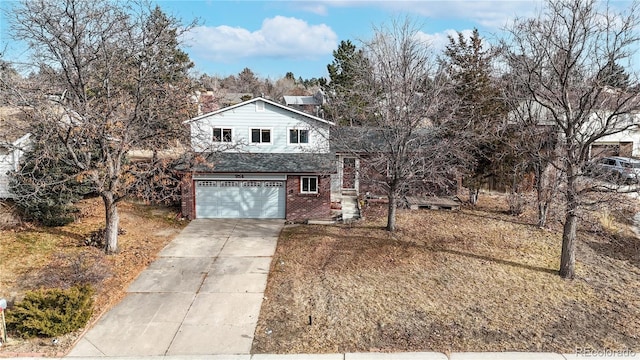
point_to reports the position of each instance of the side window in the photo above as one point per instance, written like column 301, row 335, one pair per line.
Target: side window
column 298, row 136
column 222, row 135
column 308, row 184
column 259, row 136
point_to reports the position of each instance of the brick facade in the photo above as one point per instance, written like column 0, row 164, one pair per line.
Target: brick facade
column 187, row 198
column 299, row 207
column 302, row 207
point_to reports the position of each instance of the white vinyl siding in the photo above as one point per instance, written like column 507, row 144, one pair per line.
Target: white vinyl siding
column 9, row 161
column 244, row 118
column 6, row 165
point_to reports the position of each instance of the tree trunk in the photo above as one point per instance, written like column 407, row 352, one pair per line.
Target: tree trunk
column 391, row 212
column 543, row 207
column 474, row 192
column 568, row 256
column 111, row 224
column 545, row 191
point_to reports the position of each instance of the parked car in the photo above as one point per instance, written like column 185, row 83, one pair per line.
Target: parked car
column 618, row 168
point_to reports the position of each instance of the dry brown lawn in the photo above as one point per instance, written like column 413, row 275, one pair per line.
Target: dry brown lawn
column 29, row 252
column 472, row 280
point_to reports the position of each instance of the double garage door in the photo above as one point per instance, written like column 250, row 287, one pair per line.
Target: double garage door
column 240, row 199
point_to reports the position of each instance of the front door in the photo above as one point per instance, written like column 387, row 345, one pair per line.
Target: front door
column 349, row 173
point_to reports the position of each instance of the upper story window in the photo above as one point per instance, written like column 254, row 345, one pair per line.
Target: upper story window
column 260, row 136
column 222, row 135
column 297, row 136
column 308, row 184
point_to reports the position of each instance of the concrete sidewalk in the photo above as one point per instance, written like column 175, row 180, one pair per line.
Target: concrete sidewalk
column 201, row 296
column 393, row 356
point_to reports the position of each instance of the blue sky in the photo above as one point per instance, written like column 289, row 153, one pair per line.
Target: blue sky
column 275, row 37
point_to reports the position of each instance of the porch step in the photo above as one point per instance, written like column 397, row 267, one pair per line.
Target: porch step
column 350, row 210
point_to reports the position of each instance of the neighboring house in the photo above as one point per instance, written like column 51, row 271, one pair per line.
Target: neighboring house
column 625, row 143
column 259, row 159
column 310, row 104
column 13, row 140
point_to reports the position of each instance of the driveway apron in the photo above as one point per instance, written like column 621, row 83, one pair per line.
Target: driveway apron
column 202, row 296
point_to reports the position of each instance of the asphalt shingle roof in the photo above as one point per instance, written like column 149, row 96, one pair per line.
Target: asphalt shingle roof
column 268, row 163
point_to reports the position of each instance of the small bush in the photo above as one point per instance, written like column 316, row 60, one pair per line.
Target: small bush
column 65, row 271
column 53, row 312
column 97, row 238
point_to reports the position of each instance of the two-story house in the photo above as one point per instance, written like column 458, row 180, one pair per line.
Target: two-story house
column 259, row 159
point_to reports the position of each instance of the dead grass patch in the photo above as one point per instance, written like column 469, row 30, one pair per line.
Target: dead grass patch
column 27, row 252
column 472, row 280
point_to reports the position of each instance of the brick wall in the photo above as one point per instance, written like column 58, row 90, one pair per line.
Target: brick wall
column 302, row 207
column 187, row 197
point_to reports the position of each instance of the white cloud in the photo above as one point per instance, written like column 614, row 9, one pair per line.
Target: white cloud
column 314, row 8
column 439, row 41
column 279, row 37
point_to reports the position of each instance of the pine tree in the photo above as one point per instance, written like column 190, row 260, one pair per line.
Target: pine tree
column 478, row 110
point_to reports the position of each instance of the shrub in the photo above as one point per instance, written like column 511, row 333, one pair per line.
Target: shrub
column 65, row 271
column 45, row 190
column 52, row 312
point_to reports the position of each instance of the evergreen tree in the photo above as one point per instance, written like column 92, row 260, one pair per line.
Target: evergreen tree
column 476, row 106
column 615, row 76
column 345, row 106
column 47, row 188
column 248, row 82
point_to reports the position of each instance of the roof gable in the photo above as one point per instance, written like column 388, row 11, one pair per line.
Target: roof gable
column 286, row 108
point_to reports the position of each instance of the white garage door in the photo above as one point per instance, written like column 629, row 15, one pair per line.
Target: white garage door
column 240, row 199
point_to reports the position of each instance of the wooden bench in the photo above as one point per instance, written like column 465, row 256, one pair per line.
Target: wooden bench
column 432, row 202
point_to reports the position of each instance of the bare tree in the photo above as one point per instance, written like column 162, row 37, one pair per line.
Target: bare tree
column 401, row 147
column 116, row 81
column 560, row 60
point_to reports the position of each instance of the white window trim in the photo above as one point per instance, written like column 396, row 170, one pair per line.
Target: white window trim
column 222, row 128
column 261, row 143
column 309, row 177
column 298, row 143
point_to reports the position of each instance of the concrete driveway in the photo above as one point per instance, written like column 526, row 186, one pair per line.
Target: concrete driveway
column 202, row 296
